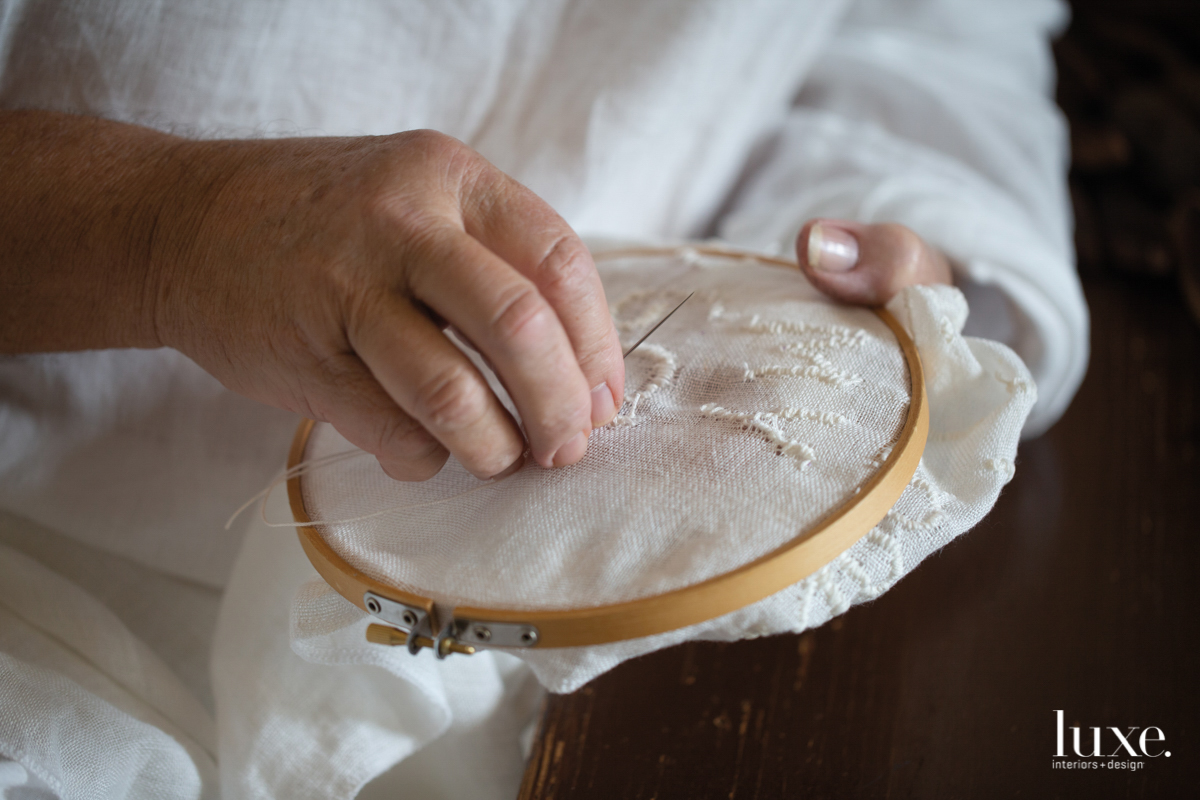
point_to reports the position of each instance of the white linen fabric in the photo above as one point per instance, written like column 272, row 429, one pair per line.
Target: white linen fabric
column 87, row 708
column 758, row 409
column 664, row 120
column 139, row 453
column 324, row 724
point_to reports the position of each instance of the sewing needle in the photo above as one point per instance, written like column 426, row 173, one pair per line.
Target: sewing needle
column 658, row 324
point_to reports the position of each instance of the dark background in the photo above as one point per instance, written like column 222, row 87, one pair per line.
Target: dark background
column 1079, row 592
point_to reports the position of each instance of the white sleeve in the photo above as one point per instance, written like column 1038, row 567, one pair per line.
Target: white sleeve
column 937, row 114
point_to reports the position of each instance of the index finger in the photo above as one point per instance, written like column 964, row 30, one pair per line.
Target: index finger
column 522, row 229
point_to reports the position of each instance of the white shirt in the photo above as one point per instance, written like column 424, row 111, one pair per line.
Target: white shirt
column 659, row 120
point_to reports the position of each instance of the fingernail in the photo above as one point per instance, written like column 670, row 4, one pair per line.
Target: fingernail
column 831, row 249
column 604, row 408
column 510, row 469
column 572, row 451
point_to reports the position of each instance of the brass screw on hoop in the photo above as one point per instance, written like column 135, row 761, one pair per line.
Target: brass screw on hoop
column 382, row 634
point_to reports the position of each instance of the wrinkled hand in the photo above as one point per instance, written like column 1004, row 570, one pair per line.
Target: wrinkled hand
column 318, row 276
column 867, row 264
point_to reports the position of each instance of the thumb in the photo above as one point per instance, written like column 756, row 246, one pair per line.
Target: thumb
column 867, row 264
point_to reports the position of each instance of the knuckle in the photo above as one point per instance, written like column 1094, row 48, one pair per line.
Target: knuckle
column 567, row 267
column 523, row 317
column 429, row 143
column 904, row 243
column 400, row 436
column 906, row 259
column 451, row 400
column 454, row 163
column 412, row 180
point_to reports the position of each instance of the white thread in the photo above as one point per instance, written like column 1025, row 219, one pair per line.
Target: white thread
column 629, row 419
column 819, row 368
column 854, row 568
column 1015, row 385
column 1002, row 467
column 305, row 467
column 823, row 417
column 662, row 368
column 851, row 565
column 930, row 521
column 886, row 541
column 947, row 329
column 756, row 632
column 838, row 604
column 838, row 338
column 806, row 595
column 882, row 456
column 757, row 422
column 300, row 469
column 838, row 335
column 663, row 364
column 815, row 347
column 925, row 486
column 835, row 336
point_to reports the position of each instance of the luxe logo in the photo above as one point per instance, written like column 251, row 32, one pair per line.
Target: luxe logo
column 1147, row 744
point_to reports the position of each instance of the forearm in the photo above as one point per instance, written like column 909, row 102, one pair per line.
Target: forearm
column 90, row 214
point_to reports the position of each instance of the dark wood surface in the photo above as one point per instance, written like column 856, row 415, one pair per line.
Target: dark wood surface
column 1079, row 592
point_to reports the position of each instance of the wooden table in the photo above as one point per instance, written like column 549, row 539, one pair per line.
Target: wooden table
column 1079, row 592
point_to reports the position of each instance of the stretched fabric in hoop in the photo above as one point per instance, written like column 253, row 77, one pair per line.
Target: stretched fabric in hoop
column 756, row 414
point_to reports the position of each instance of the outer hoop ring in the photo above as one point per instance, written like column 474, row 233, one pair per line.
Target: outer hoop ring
column 786, row 565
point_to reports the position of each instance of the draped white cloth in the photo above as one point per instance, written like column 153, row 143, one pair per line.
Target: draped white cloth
column 664, row 120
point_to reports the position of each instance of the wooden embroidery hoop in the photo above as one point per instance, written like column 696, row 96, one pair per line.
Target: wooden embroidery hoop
column 414, row 621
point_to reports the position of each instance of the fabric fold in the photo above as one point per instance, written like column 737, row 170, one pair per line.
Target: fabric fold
column 85, row 706
column 322, row 716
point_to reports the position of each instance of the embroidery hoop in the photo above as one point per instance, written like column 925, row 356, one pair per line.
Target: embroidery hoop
column 413, row 620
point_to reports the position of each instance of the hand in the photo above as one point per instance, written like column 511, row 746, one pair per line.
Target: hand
column 867, row 264
column 318, row 275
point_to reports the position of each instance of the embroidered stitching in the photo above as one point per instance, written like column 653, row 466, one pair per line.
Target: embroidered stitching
column 882, row 456
column 837, row 335
column 818, row 340
column 1015, row 384
column 931, row 519
column 819, row 368
column 1002, row 467
column 823, row 417
column 663, row 364
column 946, row 328
column 759, row 424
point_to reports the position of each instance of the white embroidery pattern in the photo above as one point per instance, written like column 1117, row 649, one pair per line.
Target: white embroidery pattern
column 760, row 423
column 663, row 364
